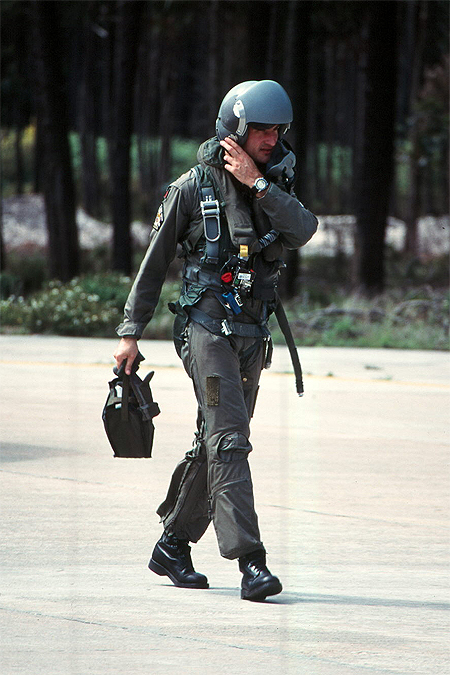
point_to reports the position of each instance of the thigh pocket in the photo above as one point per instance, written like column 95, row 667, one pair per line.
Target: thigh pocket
column 233, row 447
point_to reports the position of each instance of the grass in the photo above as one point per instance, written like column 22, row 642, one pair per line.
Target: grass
column 382, row 322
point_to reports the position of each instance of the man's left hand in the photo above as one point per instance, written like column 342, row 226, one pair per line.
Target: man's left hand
column 239, row 163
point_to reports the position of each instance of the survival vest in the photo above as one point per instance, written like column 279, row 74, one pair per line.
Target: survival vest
column 225, row 270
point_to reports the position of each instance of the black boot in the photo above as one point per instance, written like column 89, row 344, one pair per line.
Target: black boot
column 172, row 557
column 257, row 581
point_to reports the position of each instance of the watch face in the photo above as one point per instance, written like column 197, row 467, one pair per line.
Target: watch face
column 261, row 184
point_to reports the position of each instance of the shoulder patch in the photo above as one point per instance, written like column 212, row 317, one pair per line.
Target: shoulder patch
column 159, row 217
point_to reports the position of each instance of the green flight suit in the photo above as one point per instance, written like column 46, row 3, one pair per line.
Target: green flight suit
column 213, row 481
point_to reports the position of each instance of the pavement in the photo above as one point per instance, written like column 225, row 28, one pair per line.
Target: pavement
column 351, row 487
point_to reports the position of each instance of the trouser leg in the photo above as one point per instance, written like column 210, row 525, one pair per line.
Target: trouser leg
column 185, row 510
column 225, row 372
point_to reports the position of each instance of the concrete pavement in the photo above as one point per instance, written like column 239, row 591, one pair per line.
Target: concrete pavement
column 351, row 485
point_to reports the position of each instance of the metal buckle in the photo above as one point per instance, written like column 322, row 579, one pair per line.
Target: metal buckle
column 226, row 329
column 210, row 209
column 211, row 205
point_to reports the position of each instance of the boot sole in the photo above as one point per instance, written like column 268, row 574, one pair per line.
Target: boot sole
column 262, row 592
column 162, row 572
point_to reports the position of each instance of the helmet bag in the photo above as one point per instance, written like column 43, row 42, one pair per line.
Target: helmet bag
column 128, row 414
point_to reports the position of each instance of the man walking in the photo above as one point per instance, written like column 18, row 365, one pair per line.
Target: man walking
column 232, row 214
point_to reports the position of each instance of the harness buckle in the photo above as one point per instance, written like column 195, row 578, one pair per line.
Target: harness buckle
column 211, row 217
column 226, row 328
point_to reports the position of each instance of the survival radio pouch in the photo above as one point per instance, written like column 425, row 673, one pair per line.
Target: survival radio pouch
column 128, row 413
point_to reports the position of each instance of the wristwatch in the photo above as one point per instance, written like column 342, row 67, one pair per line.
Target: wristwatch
column 260, row 185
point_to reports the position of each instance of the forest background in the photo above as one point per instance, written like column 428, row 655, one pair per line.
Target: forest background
column 105, row 102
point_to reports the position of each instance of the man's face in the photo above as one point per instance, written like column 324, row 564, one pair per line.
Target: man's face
column 260, row 143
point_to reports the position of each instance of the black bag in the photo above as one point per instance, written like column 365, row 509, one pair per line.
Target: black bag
column 128, row 413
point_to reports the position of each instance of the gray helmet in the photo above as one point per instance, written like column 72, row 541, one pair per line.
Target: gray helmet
column 262, row 102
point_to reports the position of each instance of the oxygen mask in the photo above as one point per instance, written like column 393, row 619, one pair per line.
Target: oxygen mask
column 281, row 166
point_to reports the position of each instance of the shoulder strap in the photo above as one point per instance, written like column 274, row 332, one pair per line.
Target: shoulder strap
column 211, row 214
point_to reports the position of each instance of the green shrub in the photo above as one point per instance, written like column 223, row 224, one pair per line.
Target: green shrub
column 92, row 306
column 89, row 306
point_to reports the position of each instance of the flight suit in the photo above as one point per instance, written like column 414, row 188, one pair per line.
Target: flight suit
column 213, row 481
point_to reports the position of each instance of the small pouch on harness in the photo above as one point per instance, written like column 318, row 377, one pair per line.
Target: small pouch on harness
column 128, row 414
column 179, row 325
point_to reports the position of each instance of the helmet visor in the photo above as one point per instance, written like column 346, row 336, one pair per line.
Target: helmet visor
column 282, row 128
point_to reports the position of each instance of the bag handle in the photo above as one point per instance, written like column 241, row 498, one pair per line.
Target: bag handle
column 125, row 380
column 148, row 407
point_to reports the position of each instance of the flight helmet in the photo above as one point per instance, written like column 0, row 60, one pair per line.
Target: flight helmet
column 257, row 102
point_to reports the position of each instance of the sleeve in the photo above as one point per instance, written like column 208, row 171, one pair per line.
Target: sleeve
column 170, row 223
column 288, row 216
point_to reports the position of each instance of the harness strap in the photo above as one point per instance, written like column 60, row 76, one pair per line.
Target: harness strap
column 211, row 217
column 210, row 207
column 227, row 327
column 286, row 330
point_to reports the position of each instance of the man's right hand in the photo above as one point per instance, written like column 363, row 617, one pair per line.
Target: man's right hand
column 127, row 350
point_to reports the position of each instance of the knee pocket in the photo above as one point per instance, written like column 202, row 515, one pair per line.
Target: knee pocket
column 233, row 447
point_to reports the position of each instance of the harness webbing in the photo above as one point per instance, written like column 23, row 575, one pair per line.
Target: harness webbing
column 211, row 218
column 287, row 333
column 210, row 207
column 226, row 326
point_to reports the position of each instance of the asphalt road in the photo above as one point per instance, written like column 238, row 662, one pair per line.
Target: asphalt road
column 352, row 491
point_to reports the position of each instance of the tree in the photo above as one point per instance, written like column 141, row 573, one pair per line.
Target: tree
column 55, row 162
column 88, row 106
column 295, row 76
column 337, row 60
column 375, row 141
column 15, row 87
column 125, row 58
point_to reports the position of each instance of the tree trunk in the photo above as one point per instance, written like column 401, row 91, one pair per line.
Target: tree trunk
column 375, row 151
column 329, row 122
column 125, row 57
column 38, row 154
column 419, row 19
column 20, row 179
column 2, row 243
column 295, row 76
column 213, row 59
column 55, row 161
column 310, row 179
column 87, row 117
